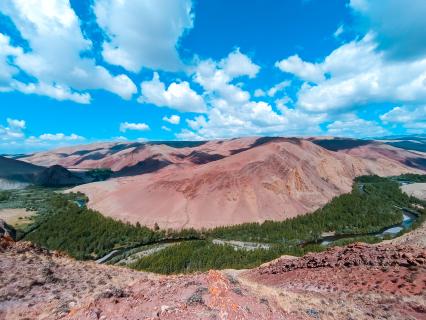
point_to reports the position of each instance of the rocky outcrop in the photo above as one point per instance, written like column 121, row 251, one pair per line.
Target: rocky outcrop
column 36, row 284
column 353, row 255
column 355, row 282
column 6, row 231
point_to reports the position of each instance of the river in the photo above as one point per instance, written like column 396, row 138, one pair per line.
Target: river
column 408, row 219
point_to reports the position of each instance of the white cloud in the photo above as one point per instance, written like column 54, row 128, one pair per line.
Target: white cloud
column 16, row 124
column 238, row 64
column 13, row 130
column 165, row 128
column 7, row 71
column 278, row 87
column 143, row 33
column 353, row 126
column 173, row 119
column 54, row 91
column 304, row 70
column 119, row 138
column 52, row 30
column 412, row 118
column 124, row 126
column 271, row 92
column 231, row 112
column 60, row 137
column 217, row 82
column 368, row 78
column 186, row 134
column 178, row 96
column 399, row 26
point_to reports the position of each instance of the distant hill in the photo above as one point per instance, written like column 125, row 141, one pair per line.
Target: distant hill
column 12, row 169
column 412, row 142
column 340, row 143
column 19, row 171
column 225, row 182
column 56, row 176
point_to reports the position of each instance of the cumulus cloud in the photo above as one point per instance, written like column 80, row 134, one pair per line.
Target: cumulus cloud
column 173, row 119
column 7, row 71
column 124, row 126
column 412, row 118
column 353, row 126
column 13, row 138
column 178, row 96
column 47, row 141
column 165, row 128
column 369, row 78
column 398, row 25
column 55, row 60
column 216, row 80
column 232, row 113
column 13, row 130
column 55, row 91
column 304, row 70
column 59, row 137
column 278, row 87
column 238, row 64
column 272, row 91
column 143, row 33
column 186, row 134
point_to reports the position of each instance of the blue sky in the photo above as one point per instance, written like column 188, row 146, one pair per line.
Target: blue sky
column 80, row 71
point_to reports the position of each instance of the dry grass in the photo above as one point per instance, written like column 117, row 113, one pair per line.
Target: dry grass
column 17, row 218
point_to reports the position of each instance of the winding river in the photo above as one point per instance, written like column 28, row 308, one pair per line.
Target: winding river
column 409, row 217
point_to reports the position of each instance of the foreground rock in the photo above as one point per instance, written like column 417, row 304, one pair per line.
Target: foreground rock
column 37, row 284
column 355, row 282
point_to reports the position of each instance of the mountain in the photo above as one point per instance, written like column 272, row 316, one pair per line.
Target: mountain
column 14, row 171
column 415, row 142
column 225, row 182
column 57, row 176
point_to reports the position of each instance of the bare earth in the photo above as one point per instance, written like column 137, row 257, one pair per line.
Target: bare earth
column 355, row 282
column 275, row 180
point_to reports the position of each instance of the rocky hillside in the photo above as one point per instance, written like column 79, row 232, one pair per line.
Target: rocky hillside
column 235, row 181
column 225, row 182
column 355, row 282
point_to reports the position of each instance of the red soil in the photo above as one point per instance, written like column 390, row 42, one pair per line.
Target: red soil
column 355, row 282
